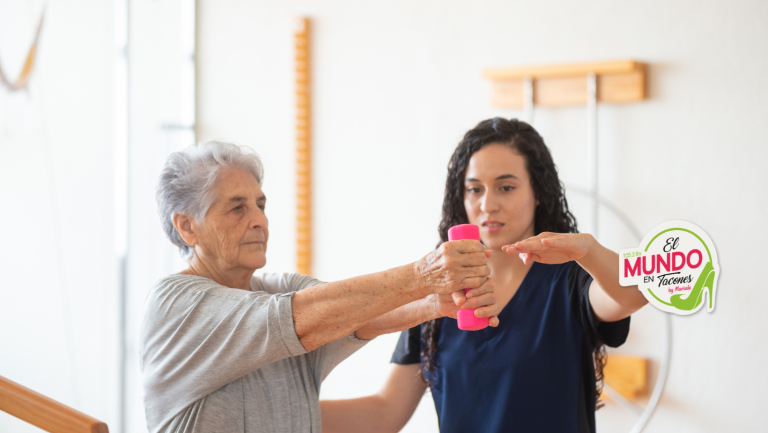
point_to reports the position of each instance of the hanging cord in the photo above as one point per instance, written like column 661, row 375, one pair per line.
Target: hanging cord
column 29, row 64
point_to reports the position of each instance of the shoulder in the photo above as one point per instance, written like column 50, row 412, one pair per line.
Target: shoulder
column 181, row 284
column 568, row 276
column 408, row 348
column 282, row 282
column 556, row 272
column 578, row 278
column 177, row 293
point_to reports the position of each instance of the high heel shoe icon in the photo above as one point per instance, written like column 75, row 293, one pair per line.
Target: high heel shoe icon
column 705, row 282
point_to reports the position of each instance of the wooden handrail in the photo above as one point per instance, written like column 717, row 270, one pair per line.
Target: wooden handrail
column 43, row 412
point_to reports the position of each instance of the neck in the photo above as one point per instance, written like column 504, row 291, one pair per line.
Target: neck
column 505, row 267
column 236, row 278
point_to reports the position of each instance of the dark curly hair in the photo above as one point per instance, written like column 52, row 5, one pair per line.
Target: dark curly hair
column 551, row 215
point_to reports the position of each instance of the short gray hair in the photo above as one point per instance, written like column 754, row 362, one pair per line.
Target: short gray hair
column 186, row 183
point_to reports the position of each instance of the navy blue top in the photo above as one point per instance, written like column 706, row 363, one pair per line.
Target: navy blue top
column 534, row 372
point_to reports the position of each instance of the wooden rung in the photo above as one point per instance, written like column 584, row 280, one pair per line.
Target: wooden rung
column 627, row 375
column 43, row 412
column 562, row 85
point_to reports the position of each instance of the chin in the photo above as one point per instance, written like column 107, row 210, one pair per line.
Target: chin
column 496, row 240
column 495, row 245
column 493, row 242
column 257, row 262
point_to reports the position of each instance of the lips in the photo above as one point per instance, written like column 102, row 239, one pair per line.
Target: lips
column 492, row 225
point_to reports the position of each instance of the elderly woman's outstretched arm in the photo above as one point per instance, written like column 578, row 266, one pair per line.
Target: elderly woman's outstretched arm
column 481, row 299
column 395, row 299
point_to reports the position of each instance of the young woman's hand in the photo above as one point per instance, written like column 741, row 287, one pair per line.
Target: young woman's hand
column 552, row 248
column 481, row 299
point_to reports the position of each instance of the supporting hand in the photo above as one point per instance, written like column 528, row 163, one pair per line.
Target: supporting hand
column 481, row 299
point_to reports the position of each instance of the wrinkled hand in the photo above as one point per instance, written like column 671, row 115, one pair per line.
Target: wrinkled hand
column 552, row 248
column 454, row 266
column 482, row 299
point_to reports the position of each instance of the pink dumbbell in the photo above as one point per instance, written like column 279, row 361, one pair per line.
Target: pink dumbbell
column 467, row 319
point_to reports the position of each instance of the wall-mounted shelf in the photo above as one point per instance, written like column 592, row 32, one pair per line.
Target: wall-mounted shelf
column 562, row 85
column 627, row 375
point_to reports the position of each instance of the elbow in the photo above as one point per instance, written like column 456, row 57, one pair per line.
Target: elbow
column 309, row 341
column 391, row 418
column 305, row 324
column 385, row 416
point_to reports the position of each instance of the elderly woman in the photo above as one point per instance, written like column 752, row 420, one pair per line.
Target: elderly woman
column 223, row 350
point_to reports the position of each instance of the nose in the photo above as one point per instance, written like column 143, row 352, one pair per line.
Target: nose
column 489, row 203
column 259, row 219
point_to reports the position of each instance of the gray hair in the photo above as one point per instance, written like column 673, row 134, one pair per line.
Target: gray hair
column 186, row 183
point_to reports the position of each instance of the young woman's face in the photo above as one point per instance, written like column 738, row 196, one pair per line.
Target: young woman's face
column 498, row 196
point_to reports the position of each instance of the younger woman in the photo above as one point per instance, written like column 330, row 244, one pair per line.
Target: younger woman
column 541, row 368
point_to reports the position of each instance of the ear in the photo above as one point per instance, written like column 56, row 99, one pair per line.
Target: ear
column 183, row 225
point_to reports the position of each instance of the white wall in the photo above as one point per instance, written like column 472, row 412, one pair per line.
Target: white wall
column 58, row 298
column 396, row 85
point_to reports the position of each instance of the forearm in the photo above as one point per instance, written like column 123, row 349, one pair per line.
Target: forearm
column 603, row 265
column 387, row 411
column 327, row 312
column 405, row 317
column 358, row 415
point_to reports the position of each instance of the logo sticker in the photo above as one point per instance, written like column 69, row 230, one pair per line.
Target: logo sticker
column 674, row 267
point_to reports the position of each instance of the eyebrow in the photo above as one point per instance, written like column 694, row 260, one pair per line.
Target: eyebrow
column 503, row 176
column 242, row 199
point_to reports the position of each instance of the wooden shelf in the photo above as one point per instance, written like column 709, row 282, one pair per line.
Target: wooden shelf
column 627, row 375
column 562, row 85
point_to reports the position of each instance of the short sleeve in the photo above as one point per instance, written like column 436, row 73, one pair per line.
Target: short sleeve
column 196, row 336
column 326, row 357
column 613, row 334
column 408, row 347
column 282, row 282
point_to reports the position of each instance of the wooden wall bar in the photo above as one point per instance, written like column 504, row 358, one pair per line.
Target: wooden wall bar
column 562, row 85
column 303, row 146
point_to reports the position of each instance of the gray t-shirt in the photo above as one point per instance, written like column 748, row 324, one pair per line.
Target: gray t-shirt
column 217, row 359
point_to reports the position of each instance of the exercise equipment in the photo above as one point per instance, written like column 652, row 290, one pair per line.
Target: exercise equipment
column 466, row 317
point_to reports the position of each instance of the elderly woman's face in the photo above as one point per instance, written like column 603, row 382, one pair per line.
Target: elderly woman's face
column 235, row 230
